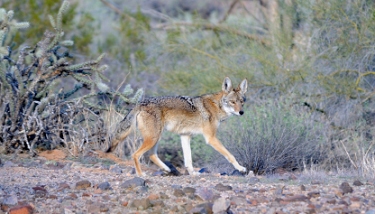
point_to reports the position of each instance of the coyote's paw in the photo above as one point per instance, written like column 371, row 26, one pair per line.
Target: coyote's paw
column 241, row 169
column 194, row 173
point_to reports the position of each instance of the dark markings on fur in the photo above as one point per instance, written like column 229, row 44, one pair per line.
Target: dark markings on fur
column 189, row 101
column 170, row 101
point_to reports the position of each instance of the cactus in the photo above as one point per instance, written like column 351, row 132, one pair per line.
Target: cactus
column 34, row 110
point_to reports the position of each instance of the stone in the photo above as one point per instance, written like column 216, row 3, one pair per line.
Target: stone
column 156, row 203
column 178, row 193
column 313, row 194
column 153, row 197
column 220, row 204
column 39, row 192
column 189, row 190
column 205, row 193
column 21, row 209
column 221, row 187
column 10, row 200
column 202, row 208
column 346, row 188
column 134, row 182
column 104, row 186
column 63, row 186
column 357, row 183
column 84, row 184
column 253, row 180
column 115, row 169
column 303, row 188
column 141, row 204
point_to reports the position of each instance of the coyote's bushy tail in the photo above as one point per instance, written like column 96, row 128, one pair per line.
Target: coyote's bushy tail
column 123, row 129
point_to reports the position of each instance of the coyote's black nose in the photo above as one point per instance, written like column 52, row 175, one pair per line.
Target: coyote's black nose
column 241, row 112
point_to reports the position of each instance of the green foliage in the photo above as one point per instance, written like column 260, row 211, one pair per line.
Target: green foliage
column 37, row 12
column 272, row 136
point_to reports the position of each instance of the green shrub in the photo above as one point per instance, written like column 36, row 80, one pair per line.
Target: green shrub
column 273, row 136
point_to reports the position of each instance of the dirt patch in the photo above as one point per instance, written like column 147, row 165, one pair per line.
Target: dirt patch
column 53, row 154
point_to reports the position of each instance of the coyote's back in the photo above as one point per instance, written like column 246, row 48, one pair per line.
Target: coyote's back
column 185, row 116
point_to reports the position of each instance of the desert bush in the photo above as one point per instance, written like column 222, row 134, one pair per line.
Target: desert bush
column 35, row 113
column 271, row 136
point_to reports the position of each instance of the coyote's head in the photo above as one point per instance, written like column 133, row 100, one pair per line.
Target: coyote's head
column 234, row 98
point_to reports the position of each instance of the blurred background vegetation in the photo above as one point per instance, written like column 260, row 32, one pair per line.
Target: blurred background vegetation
column 310, row 66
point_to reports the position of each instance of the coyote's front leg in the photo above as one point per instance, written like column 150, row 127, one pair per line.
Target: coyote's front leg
column 185, row 143
column 218, row 146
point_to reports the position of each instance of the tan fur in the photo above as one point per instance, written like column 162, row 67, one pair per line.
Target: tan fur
column 185, row 116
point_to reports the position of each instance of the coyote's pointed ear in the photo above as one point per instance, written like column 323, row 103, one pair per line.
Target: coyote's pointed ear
column 243, row 86
column 227, row 85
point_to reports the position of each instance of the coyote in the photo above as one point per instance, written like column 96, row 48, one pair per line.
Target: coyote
column 185, row 116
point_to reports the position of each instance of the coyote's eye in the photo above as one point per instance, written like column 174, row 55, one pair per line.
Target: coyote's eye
column 232, row 102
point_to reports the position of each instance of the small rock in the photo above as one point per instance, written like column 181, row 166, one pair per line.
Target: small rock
column 156, row 203
column 21, row 209
column 115, row 169
column 72, row 195
column 313, row 194
column 204, row 170
column 220, row 187
column 254, row 180
column 202, row 208
column 39, row 192
column 346, row 188
column 163, row 195
column 63, row 186
column 178, row 193
column 11, row 200
column 220, row 204
column 189, row 190
column 205, row 193
column 104, row 186
column 303, row 188
column 357, row 183
column 153, row 197
column 141, row 204
column 103, row 208
column 83, row 184
column 133, row 183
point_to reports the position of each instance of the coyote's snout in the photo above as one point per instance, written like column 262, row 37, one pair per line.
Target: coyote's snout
column 185, row 116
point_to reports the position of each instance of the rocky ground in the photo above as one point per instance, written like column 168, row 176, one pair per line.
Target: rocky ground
column 101, row 183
